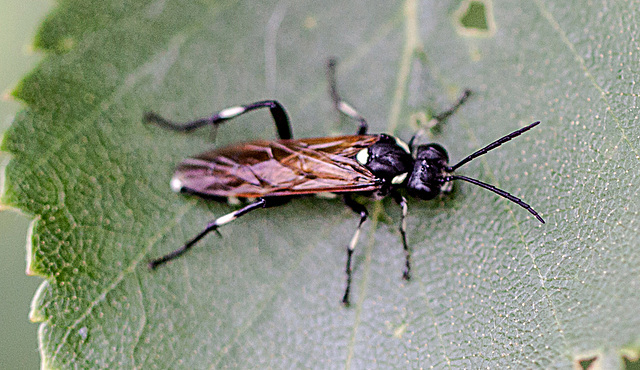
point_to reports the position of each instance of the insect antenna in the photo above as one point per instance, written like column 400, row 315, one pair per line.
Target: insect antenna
column 489, row 187
column 491, row 146
column 492, row 188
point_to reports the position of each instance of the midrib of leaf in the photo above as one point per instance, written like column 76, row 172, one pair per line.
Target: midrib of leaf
column 411, row 44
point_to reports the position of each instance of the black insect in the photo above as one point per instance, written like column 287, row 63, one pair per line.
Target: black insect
column 272, row 172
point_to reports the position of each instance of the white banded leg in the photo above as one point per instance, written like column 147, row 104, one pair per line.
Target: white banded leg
column 280, row 118
column 212, row 226
column 339, row 104
column 362, row 211
column 402, row 202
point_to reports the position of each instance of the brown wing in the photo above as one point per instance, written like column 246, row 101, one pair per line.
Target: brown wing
column 284, row 167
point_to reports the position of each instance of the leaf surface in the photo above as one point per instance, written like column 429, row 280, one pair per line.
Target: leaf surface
column 491, row 287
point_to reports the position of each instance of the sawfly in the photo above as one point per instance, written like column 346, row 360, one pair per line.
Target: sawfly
column 271, row 172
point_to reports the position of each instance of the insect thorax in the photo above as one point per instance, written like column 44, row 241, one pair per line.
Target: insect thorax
column 388, row 159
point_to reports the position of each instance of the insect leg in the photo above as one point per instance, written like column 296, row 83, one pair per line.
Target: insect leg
column 283, row 127
column 362, row 211
column 446, row 114
column 212, row 226
column 402, row 202
column 439, row 118
column 339, row 104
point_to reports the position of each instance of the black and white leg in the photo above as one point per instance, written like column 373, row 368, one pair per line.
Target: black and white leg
column 402, row 202
column 340, row 105
column 283, row 127
column 362, row 211
column 212, row 226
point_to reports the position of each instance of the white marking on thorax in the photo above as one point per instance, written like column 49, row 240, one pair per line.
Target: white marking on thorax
column 363, row 156
column 403, row 145
column 399, row 179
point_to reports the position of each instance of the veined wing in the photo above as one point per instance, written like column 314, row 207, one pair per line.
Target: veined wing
column 283, row 167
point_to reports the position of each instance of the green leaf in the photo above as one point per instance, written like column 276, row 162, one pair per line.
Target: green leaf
column 491, row 286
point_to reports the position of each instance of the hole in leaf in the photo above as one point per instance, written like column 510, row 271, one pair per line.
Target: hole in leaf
column 584, row 364
column 475, row 18
column 630, row 363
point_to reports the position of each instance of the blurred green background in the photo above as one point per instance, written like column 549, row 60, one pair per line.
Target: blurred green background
column 18, row 336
